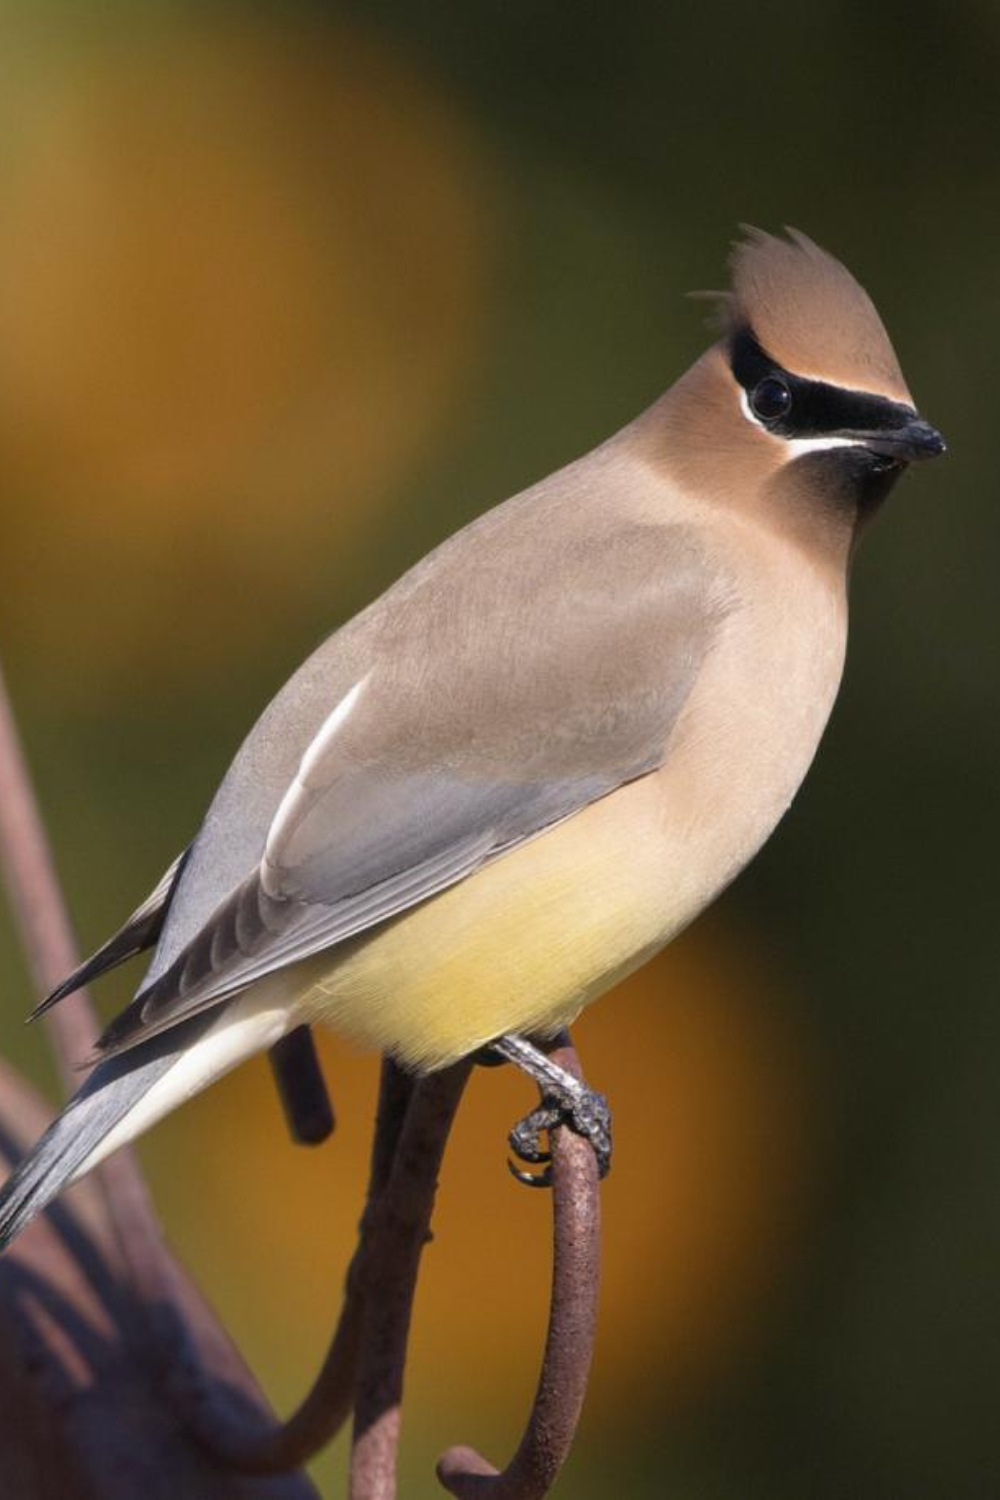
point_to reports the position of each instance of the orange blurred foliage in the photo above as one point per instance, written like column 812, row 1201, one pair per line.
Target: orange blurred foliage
column 241, row 278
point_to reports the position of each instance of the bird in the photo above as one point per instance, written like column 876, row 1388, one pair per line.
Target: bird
column 541, row 753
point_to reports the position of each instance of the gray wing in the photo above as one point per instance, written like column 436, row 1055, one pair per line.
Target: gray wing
column 140, row 932
column 493, row 695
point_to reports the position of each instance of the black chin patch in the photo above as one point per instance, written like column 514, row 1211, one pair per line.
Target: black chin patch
column 851, row 478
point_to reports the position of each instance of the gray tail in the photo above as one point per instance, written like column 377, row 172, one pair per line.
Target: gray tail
column 113, row 1088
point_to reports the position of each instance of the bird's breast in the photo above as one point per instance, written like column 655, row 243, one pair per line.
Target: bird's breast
column 753, row 721
column 532, row 937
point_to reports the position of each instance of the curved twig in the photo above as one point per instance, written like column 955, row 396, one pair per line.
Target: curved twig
column 329, row 1402
column 570, row 1340
column 37, row 902
column 365, row 1363
column 398, row 1236
column 43, row 923
column 302, row 1088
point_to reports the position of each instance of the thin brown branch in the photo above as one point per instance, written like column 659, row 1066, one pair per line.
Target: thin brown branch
column 570, row 1340
column 329, row 1402
column 37, row 902
column 302, row 1088
column 43, row 924
column 400, row 1230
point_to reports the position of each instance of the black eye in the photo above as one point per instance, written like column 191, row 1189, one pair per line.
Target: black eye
column 771, row 399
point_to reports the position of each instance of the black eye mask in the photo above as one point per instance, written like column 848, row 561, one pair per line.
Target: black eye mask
column 811, row 408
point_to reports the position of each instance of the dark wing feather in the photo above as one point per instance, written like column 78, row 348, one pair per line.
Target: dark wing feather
column 140, row 932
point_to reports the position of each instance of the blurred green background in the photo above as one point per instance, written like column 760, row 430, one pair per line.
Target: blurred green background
column 289, row 292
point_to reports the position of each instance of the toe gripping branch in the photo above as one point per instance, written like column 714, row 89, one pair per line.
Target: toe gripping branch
column 566, row 1100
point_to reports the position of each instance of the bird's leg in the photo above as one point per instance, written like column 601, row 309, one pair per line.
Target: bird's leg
column 565, row 1101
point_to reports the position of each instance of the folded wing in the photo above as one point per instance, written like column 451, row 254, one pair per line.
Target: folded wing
column 496, row 699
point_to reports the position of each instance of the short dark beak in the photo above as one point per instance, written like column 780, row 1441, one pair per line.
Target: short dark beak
column 915, row 439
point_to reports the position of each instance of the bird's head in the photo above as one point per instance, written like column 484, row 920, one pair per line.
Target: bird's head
column 801, row 405
column 811, row 362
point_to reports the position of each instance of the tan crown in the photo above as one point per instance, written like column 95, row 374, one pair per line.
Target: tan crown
column 808, row 312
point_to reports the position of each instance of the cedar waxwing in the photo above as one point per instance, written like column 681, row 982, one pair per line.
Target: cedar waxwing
column 514, row 777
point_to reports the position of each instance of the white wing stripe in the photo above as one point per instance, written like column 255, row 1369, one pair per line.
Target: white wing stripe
column 299, row 796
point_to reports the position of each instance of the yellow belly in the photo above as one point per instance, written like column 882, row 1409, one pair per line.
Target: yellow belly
column 522, row 945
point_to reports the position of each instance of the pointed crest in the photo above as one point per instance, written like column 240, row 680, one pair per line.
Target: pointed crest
column 810, row 314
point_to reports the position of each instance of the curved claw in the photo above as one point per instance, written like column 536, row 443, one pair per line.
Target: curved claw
column 524, row 1137
column 524, row 1151
column 530, row 1179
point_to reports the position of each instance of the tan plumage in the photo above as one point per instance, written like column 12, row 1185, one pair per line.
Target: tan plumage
column 544, row 750
column 787, row 289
